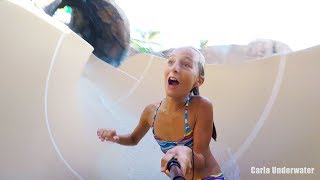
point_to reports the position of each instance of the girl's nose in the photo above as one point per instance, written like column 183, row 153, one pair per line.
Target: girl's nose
column 175, row 67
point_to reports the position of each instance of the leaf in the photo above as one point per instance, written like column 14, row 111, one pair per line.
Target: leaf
column 203, row 43
column 153, row 34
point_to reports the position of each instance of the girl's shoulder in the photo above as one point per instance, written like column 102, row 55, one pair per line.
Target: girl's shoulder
column 199, row 100
column 150, row 108
column 148, row 113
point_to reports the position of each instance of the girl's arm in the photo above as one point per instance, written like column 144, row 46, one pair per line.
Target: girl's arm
column 202, row 131
column 140, row 131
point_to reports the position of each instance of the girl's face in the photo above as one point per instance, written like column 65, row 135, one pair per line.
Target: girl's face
column 181, row 73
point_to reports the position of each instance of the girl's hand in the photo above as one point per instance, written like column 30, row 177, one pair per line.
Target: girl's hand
column 184, row 156
column 107, row 135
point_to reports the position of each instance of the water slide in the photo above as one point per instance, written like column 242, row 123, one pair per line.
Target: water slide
column 55, row 94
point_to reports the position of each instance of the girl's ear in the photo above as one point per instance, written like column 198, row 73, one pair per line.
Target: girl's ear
column 199, row 81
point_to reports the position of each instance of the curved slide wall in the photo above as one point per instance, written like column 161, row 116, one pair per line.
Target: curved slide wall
column 55, row 94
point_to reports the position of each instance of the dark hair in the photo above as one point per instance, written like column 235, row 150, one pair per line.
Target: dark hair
column 195, row 90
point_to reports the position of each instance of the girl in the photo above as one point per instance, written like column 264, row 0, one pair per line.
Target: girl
column 182, row 123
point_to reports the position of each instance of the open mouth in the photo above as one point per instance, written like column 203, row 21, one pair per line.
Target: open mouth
column 173, row 81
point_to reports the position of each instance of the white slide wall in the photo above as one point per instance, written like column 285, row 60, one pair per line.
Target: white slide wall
column 55, row 94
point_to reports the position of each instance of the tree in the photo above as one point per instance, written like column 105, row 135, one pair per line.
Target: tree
column 144, row 42
column 203, row 43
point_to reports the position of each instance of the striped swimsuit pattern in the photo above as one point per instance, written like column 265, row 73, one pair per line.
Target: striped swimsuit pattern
column 187, row 140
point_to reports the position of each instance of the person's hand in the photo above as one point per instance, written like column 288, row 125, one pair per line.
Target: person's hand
column 184, row 156
column 107, row 135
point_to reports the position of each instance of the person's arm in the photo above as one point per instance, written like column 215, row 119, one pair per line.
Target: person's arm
column 202, row 131
column 139, row 132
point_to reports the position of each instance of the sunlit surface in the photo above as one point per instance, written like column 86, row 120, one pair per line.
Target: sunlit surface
column 226, row 22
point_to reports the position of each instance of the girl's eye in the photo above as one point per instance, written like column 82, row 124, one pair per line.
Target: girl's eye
column 170, row 62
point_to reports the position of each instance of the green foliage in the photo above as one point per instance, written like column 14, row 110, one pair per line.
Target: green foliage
column 152, row 35
column 203, row 43
column 145, row 41
column 140, row 47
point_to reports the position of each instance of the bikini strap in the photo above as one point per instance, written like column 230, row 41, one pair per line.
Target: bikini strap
column 186, row 116
column 155, row 113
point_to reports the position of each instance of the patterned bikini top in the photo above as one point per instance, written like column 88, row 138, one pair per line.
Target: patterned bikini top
column 187, row 139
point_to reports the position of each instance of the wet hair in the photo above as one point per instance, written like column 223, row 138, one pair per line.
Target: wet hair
column 201, row 63
column 195, row 90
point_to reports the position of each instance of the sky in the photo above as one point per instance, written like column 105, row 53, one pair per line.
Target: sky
column 222, row 22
